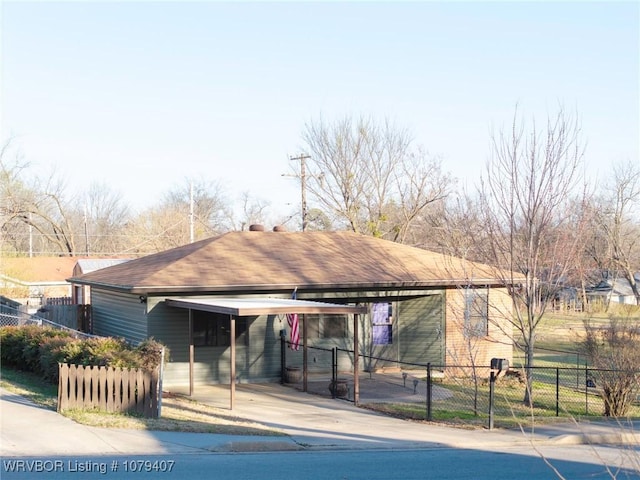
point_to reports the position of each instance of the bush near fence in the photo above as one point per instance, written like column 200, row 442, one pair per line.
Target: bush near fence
column 41, row 349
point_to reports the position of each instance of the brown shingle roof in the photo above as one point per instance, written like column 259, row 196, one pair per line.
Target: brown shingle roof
column 38, row 269
column 282, row 260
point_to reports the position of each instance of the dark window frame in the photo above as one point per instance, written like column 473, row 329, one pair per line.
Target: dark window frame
column 211, row 329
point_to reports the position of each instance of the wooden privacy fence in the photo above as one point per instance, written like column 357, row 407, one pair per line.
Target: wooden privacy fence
column 110, row 389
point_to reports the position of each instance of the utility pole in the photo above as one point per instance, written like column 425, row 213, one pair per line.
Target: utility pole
column 31, row 233
column 86, row 231
column 191, row 214
column 303, row 188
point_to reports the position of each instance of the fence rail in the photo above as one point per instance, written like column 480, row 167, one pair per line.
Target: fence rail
column 57, row 301
column 109, row 389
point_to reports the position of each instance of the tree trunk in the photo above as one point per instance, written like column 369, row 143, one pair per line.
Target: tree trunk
column 528, row 391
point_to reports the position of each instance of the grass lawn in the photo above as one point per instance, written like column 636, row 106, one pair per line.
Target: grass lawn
column 179, row 414
column 557, row 347
column 509, row 409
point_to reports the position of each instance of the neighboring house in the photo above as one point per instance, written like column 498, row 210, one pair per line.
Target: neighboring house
column 613, row 290
column 29, row 280
column 421, row 306
column 568, row 299
column 81, row 293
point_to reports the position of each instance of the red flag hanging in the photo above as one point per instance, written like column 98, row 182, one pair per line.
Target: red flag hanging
column 294, row 326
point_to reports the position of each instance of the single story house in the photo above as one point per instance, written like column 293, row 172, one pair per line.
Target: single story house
column 613, row 290
column 31, row 280
column 227, row 297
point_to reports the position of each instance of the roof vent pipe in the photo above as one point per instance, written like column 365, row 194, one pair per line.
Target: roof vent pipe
column 256, row 228
column 279, row 228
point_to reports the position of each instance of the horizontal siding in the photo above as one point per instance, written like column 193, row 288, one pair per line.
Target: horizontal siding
column 419, row 337
column 262, row 362
column 117, row 314
column 421, row 330
column 257, row 357
column 320, row 350
column 170, row 326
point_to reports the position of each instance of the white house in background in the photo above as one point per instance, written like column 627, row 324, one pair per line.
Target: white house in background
column 613, row 290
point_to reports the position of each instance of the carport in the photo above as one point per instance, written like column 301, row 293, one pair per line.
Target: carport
column 244, row 307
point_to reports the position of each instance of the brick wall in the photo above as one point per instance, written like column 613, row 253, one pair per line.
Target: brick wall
column 468, row 350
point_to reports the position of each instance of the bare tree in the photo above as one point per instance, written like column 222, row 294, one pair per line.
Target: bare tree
column 14, row 196
column 369, row 178
column 48, row 211
column 530, row 230
column 36, row 205
column 253, row 211
column 191, row 211
column 102, row 217
column 454, row 227
column 618, row 224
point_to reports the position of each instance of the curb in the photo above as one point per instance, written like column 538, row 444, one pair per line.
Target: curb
column 620, row 438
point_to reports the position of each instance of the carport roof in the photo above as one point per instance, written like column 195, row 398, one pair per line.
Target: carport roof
column 262, row 306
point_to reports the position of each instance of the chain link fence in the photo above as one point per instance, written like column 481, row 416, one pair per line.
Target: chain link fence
column 12, row 316
column 468, row 394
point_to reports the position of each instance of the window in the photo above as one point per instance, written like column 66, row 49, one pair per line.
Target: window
column 334, row 326
column 213, row 329
column 476, row 312
column 326, row 326
column 382, row 323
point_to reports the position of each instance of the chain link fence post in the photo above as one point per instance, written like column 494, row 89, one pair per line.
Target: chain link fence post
column 492, row 384
column 429, row 393
column 586, row 389
column 334, row 371
column 557, row 392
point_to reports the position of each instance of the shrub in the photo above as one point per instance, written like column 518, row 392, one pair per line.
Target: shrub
column 150, row 353
column 73, row 352
column 615, row 353
column 101, row 351
column 39, row 350
column 125, row 359
column 31, row 350
column 12, row 341
column 20, row 345
column 53, row 351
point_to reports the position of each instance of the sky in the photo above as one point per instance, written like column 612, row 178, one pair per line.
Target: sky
column 143, row 95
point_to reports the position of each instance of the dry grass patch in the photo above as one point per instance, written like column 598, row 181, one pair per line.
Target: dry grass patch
column 179, row 414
